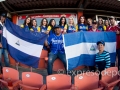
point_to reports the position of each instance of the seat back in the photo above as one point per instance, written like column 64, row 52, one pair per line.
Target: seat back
column 10, row 74
column 44, row 54
column 58, row 82
column 32, row 79
column 110, row 75
column 86, row 81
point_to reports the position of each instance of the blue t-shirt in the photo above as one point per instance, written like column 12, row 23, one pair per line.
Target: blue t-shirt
column 26, row 28
column 56, row 44
column 82, row 27
column 43, row 29
column 71, row 29
column 100, row 28
column 89, row 27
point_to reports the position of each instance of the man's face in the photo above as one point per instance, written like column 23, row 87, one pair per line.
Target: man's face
column 2, row 19
column 57, row 31
column 100, row 47
column 112, row 21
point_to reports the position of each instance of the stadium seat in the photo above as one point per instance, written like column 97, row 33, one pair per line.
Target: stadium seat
column 110, row 78
column 57, row 82
column 31, row 81
column 10, row 78
column 87, row 81
column 43, row 58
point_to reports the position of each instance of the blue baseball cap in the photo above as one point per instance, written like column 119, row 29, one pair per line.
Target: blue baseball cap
column 57, row 26
column 101, row 42
column 4, row 15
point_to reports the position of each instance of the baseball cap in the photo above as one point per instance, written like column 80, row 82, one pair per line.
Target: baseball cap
column 101, row 42
column 94, row 22
column 112, row 17
column 57, row 26
column 3, row 14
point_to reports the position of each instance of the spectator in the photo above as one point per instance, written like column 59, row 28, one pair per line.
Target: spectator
column 101, row 27
column 89, row 22
column 3, row 49
column 62, row 23
column 115, row 28
column 55, row 42
column 107, row 24
column 34, row 26
column 26, row 24
column 71, row 27
column 102, row 58
column 51, row 25
column 82, row 24
column 94, row 27
column 43, row 26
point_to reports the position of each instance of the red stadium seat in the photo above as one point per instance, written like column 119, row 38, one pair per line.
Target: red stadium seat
column 31, row 81
column 110, row 78
column 43, row 57
column 87, row 81
column 10, row 78
column 57, row 82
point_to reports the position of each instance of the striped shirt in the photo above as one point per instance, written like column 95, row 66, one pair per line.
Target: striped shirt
column 102, row 60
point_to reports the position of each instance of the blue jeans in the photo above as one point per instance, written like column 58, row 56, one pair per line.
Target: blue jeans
column 52, row 58
column 6, row 59
column 118, row 54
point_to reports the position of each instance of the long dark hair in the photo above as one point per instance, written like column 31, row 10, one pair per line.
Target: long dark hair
column 60, row 22
column 32, row 23
column 79, row 21
column 50, row 23
column 29, row 24
column 41, row 24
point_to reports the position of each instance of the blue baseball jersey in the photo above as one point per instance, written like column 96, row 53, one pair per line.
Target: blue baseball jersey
column 89, row 27
column 100, row 28
column 35, row 29
column 56, row 43
column 82, row 27
column 43, row 29
column 71, row 29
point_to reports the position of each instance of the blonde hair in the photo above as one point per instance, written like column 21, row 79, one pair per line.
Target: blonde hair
column 71, row 17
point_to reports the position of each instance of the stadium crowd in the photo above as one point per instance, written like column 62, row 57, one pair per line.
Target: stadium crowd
column 54, row 42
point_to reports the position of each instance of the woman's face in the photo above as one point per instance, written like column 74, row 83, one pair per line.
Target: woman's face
column 106, row 22
column 100, row 21
column 53, row 23
column 44, row 22
column 71, row 21
column 34, row 23
column 82, row 19
column 28, row 20
column 100, row 47
column 63, row 20
column 89, row 21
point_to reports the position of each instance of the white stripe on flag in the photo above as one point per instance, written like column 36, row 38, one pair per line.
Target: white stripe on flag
column 87, row 48
column 22, row 45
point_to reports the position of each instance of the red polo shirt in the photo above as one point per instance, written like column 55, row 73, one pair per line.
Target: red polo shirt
column 93, row 31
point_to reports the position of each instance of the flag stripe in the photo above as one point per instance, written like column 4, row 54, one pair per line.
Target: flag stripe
column 78, row 49
column 85, row 59
column 88, row 37
column 24, row 46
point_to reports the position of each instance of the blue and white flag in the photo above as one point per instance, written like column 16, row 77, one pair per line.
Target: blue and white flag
column 24, row 46
column 81, row 48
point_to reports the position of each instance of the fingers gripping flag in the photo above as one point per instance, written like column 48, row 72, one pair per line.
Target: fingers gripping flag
column 81, row 48
column 24, row 47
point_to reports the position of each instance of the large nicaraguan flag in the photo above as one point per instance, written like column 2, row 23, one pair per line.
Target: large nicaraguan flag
column 23, row 45
column 81, row 48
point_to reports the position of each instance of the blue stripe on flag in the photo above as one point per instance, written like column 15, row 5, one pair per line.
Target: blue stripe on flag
column 32, row 37
column 23, row 57
column 88, row 60
column 88, row 37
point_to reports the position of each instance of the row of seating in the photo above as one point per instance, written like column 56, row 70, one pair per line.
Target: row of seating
column 84, row 81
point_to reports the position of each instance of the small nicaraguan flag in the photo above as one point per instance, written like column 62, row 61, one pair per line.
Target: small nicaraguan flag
column 24, row 47
column 81, row 48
